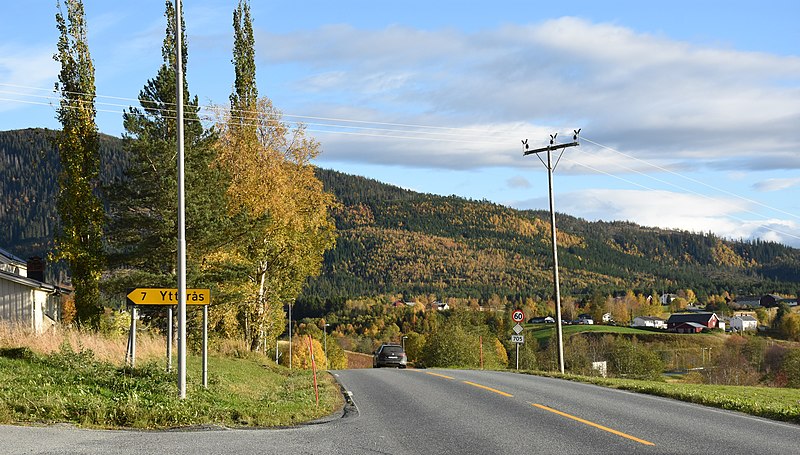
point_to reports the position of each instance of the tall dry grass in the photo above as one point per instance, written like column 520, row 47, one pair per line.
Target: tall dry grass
column 107, row 348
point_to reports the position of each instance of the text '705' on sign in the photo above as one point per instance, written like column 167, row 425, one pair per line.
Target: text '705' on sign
column 517, row 338
column 166, row 296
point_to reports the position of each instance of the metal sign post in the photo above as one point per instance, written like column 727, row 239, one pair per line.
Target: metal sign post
column 169, row 339
column 131, row 354
column 167, row 297
column 205, row 346
column 518, row 340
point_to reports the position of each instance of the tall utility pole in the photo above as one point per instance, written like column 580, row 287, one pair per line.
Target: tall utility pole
column 181, row 207
column 550, row 169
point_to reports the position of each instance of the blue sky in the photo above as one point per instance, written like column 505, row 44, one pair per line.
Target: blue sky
column 689, row 109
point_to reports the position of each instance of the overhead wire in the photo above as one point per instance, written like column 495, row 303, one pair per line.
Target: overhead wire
column 631, row 182
column 417, row 133
column 687, row 190
column 249, row 115
column 693, row 180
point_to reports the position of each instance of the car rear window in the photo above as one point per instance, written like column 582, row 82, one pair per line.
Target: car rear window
column 392, row 350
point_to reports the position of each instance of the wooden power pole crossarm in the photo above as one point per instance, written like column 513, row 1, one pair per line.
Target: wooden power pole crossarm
column 550, row 147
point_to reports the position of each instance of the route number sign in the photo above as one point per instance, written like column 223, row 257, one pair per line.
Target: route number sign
column 517, row 338
column 518, row 316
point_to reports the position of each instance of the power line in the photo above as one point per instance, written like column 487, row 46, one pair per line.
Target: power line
column 254, row 114
column 419, row 133
column 767, row 227
column 693, row 180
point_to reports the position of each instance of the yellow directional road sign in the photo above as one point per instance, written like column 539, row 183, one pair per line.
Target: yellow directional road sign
column 163, row 296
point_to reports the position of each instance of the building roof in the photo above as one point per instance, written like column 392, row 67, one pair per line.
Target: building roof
column 693, row 324
column 746, row 317
column 649, row 318
column 702, row 318
column 8, row 258
column 8, row 276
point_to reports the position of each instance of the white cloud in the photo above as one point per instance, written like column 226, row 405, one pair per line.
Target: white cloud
column 647, row 95
column 518, row 182
column 776, row 184
column 26, row 67
column 726, row 217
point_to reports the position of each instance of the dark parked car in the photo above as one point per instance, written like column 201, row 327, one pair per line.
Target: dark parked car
column 389, row 355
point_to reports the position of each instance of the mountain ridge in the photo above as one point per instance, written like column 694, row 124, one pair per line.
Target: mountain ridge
column 393, row 240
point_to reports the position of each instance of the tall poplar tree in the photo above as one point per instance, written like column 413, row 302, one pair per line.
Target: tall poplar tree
column 283, row 226
column 79, row 240
column 245, row 91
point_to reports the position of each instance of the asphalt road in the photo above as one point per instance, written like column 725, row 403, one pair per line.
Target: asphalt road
column 455, row 412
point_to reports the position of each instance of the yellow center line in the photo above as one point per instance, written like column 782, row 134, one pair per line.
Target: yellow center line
column 488, row 388
column 438, row 375
column 592, row 424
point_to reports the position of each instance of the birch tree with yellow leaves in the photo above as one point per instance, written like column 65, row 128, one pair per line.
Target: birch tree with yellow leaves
column 282, row 224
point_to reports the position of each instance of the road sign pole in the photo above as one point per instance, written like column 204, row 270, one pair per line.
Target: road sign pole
column 169, row 339
column 205, row 346
column 517, row 355
column 130, row 333
column 134, row 314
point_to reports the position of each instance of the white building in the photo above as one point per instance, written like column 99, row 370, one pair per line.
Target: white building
column 666, row 299
column 649, row 321
column 743, row 322
column 25, row 301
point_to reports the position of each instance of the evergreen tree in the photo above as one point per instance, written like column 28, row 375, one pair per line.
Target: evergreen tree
column 79, row 241
column 143, row 203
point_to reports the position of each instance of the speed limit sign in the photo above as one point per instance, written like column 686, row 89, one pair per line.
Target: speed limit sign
column 518, row 316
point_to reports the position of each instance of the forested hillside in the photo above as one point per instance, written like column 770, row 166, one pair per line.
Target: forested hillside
column 392, row 240
column 29, row 169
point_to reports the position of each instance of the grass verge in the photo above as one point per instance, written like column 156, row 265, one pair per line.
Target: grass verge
column 769, row 402
column 75, row 387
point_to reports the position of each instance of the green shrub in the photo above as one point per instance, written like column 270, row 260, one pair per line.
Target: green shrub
column 337, row 359
column 629, row 359
column 415, row 344
column 454, row 347
column 576, row 352
column 791, row 368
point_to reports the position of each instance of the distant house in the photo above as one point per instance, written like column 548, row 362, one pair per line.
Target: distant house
column 649, row 321
column 769, row 300
column 689, row 327
column 441, row 306
column 607, row 318
column 746, row 301
column 705, row 319
column 24, row 299
column 744, row 322
column 666, row 299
